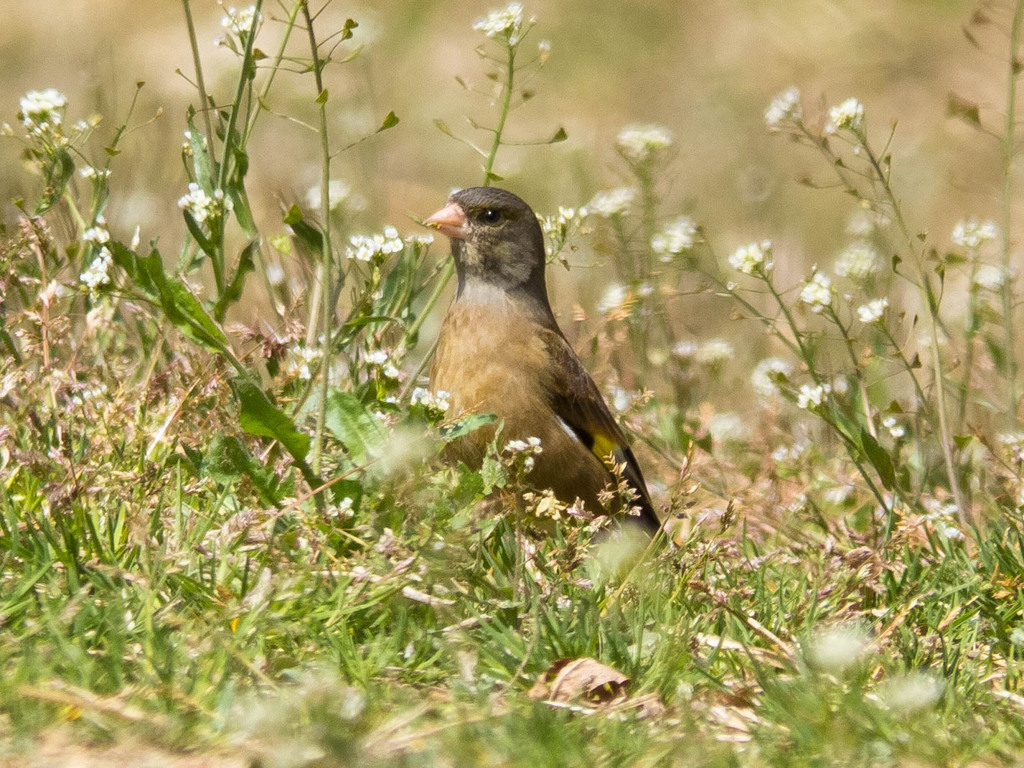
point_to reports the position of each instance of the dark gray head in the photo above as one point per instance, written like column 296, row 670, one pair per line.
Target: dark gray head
column 495, row 238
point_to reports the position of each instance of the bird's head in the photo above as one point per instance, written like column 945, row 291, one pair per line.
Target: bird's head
column 496, row 239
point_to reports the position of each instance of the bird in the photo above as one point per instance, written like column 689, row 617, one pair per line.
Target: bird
column 500, row 351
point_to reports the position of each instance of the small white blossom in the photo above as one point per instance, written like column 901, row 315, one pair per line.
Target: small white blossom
column 728, row 427
column 990, row 277
column 784, row 108
column 89, row 172
column 97, row 273
column 202, row 206
column 615, row 299
column 614, row 202
column 753, row 259
column 768, row 374
column 896, row 430
column 811, row 396
column 685, row 350
column 369, row 247
column 98, row 235
column 836, row 649
column 506, row 22
column 911, row 692
column 847, row 116
column 817, row 292
column 640, row 143
column 873, row 311
column 529, row 447
column 678, row 237
column 1013, row 444
column 298, row 360
column 338, row 191
column 42, row 111
column 241, row 22
column 424, row 239
column 858, row 262
column 714, row 353
column 973, row 234
column 437, row 402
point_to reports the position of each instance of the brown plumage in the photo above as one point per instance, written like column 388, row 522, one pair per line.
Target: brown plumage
column 501, row 351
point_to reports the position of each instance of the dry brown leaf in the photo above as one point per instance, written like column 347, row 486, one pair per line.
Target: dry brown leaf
column 580, row 679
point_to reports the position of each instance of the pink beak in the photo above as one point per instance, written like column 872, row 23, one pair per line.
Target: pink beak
column 451, row 220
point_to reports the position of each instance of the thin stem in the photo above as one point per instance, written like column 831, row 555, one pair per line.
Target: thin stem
column 325, row 234
column 198, row 66
column 1009, row 150
column 506, row 106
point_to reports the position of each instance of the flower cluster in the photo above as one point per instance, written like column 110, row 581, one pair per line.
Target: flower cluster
column 858, row 262
column 873, row 311
column 973, row 234
column 640, row 143
column 42, row 111
column 1013, row 445
column 678, row 237
column 768, row 375
column 435, row 404
column 527, row 448
column 239, row 24
column 97, row 274
column 506, row 22
column 204, row 207
column 616, row 299
column 381, row 360
column 817, row 292
column 370, row 247
column 812, row 396
column 990, row 277
column 753, row 259
column 97, row 233
column 558, row 228
column 298, row 360
column 92, row 173
column 895, row 428
column 847, row 116
column 614, row 202
column 784, row 108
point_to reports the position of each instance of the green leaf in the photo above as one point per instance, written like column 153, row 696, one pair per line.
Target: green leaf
column 390, row 121
column 57, row 176
column 560, row 135
column 322, row 97
column 205, row 244
column 233, row 291
column 307, row 236
column 963, row 109
column 200, row 157
column 363, row 436
column 259, row 416
column 962, row 441
column 468, row 424
column 879, row 459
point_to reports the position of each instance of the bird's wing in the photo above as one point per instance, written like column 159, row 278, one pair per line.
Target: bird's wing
column 578, row 402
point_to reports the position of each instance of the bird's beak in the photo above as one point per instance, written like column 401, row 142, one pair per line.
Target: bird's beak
column 451, row 220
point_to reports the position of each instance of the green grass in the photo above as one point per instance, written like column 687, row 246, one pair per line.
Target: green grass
column 240, row 538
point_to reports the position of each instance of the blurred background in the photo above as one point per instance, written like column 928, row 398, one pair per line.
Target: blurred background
column 704, row 70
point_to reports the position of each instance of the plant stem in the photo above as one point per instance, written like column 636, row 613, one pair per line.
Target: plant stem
column 1007, row 214
column 198, row 66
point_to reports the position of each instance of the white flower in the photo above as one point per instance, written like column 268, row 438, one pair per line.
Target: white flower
column 506, row 22
column 614, row 299
column 896, row 430
column 377, row 357
column 728, row 427
column 812, row 396
column 1013, row 444
column 98, row 235
column 677, row 237
column 990, row 277
column 41, row 111
column 89, row 172
column 368, row 247
column 836, row 649
column 768, row 374
column 817, row 292
column 97, row 272
column 241, row 22
column 639, row 143
column 338, row 192
column 685, row 350
column 753, row 259
column 873, row 311
column 714, row 353
column 529, row 447
column 784, row 108
column 911, row 692
column 614, row 202
column 436, row 402
column 202, row 206
column 847, row 116
column 298, row 360
column 972, row 233
column 857, row 262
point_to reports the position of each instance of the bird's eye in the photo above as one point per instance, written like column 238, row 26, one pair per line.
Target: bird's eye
column 490, row 216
